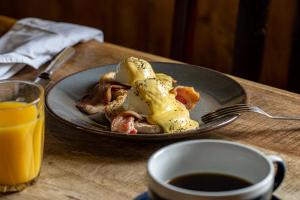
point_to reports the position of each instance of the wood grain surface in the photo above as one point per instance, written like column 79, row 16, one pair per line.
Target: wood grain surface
column 82, row 166
column 277, row 53
column 212, row 34
column 125, row 22
column 210, row 37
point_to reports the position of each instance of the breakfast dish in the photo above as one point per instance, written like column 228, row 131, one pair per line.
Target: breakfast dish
column 216, row 89
column 135, row 99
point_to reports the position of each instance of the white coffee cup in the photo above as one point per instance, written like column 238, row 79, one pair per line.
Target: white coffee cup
column 213, row 156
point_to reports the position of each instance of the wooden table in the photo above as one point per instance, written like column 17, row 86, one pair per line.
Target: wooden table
column 80, row 166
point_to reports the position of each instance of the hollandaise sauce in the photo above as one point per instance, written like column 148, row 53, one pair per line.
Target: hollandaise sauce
column 166, row 111
column 133, row 69
column 21, row 142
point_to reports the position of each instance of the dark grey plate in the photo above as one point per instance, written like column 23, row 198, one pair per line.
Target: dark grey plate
column 216, row 90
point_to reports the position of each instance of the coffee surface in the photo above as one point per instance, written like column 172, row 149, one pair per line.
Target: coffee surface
column 209, row 182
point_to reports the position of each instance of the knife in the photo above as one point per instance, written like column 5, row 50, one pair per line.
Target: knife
column 45, row 77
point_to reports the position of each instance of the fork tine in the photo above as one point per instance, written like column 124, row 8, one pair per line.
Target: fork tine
column 237, row 106
column 227, row 111
column 234, row 106
column 232, row 109
column 216, row 116
column 206, row 120
column 210, row 118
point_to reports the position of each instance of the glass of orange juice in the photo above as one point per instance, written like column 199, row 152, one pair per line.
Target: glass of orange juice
column 22, row 122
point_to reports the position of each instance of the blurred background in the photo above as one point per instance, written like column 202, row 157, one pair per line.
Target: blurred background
column 254, row 39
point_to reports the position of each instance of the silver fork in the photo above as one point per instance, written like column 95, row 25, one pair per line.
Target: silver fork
column 237, row 109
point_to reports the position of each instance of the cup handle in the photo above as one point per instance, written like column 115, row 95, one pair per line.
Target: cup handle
column 280, row 173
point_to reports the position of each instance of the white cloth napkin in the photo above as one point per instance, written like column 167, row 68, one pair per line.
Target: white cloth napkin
column 33, row 42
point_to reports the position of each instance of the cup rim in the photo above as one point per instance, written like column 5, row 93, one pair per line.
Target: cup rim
column 35, row 101
column 237, row 192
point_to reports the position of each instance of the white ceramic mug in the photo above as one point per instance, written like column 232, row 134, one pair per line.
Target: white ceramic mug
column 213, row 156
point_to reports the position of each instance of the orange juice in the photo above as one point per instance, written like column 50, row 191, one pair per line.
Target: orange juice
column 21, row 142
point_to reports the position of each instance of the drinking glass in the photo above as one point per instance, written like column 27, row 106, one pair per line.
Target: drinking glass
column 22, row 124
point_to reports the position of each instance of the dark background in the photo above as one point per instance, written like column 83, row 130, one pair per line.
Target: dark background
column 254, row 39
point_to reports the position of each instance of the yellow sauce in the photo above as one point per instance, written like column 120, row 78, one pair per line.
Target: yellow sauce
column 21, row 142
column 167, row 112
column 139, row 69
column 165, row 79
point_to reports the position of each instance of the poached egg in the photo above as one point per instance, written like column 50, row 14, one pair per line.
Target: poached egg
column 133, row 69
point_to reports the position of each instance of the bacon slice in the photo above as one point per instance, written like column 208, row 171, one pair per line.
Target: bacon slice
column 102, row 94
column 123, row 124
column 92, row 102
column 186, row 95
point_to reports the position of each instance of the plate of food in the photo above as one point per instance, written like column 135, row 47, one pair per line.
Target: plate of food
column 136, row 99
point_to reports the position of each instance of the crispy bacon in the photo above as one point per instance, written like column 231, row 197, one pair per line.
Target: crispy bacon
column 186, row 95
column 123, row 124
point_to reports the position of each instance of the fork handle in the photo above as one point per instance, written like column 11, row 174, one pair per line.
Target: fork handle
column 285, row 118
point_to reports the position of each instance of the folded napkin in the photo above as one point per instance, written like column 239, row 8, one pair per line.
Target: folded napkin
column 33, row 42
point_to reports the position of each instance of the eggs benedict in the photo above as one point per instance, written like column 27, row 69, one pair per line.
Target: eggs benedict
column 145, row 101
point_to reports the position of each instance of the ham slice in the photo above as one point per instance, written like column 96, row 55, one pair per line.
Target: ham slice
column 123, row 124
column 186, row 95
column 146, row 128
column 130, row 122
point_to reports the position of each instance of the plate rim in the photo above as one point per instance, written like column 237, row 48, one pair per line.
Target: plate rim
column 158, row 136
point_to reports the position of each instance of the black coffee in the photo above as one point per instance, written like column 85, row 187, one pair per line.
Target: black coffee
column 209, row 182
